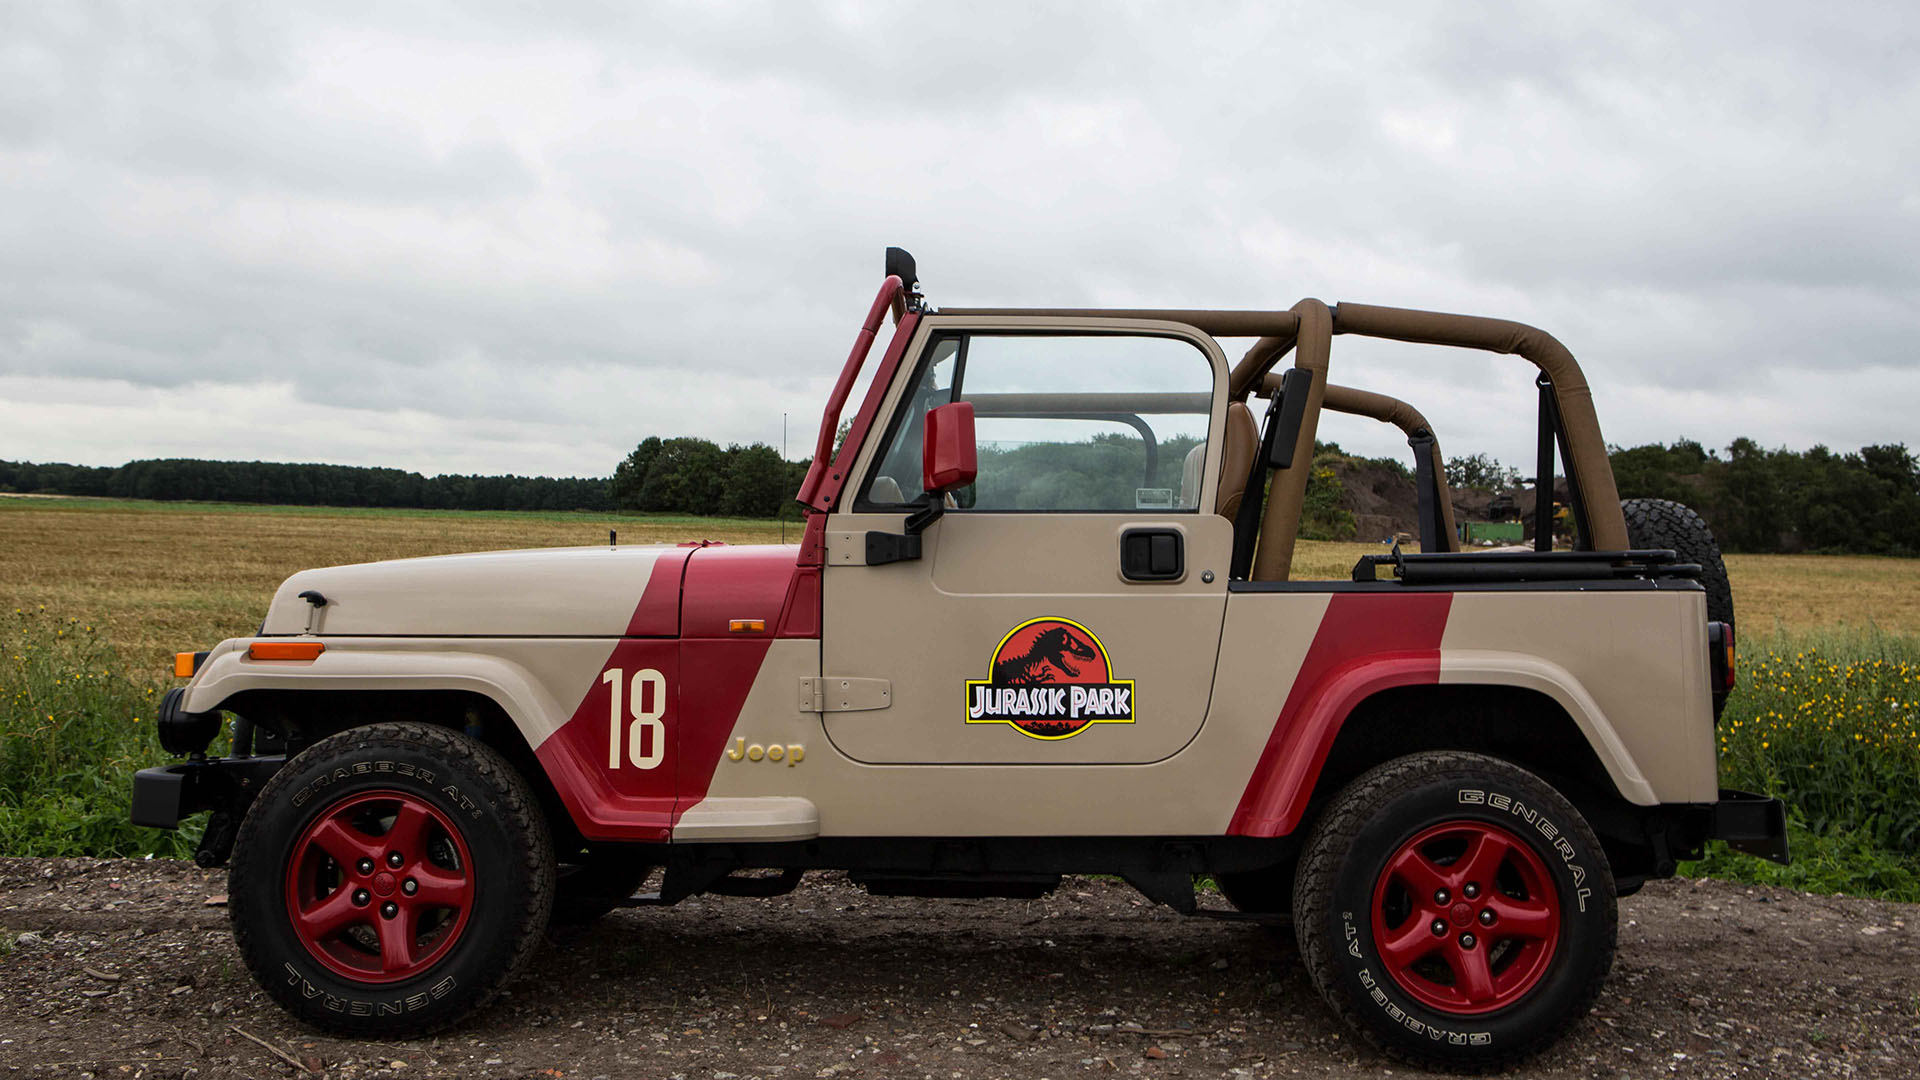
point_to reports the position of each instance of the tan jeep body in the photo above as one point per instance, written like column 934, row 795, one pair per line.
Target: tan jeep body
column 993, row 661
column 1239, row 692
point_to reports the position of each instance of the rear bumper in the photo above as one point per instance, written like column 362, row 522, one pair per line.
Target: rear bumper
column 168, row 794
column 1754, row 824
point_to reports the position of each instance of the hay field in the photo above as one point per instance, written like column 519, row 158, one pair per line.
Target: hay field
column 159, row 577
column 156, row 577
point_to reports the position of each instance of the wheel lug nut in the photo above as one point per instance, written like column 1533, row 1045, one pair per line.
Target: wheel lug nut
column 360, row 898
column 365, row 865
column 411, row 886
column 1439, row 928
column 389, row 909
column 1467, row 941
column 1486, row 916
column 394, row 859
column 1470, row 891
column 1440, row 896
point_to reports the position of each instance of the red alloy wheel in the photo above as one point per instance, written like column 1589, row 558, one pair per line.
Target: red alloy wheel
column 380, row 886
column 1466, row 918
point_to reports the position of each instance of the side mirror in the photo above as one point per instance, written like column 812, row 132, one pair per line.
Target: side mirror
column 948, row 457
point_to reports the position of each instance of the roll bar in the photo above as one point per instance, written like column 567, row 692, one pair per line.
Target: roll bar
column 816, row 493
column 1430, row 466
column 1588, row 470
column 1305, row 330
column 1576, row 426
column 1217, row 323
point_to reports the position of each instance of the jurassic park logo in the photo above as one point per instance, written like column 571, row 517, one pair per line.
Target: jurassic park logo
column 1051, row 680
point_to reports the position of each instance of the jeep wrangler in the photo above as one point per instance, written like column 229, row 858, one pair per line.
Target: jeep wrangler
column 1042, row 621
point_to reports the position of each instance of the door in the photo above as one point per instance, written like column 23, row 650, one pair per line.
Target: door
column 1066, row 608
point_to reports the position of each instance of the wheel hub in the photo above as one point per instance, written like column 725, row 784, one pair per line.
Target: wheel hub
column 401, row 849
column 1510, row 904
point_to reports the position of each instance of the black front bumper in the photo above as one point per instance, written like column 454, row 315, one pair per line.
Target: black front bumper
column 1754, row 824
column 165, row 795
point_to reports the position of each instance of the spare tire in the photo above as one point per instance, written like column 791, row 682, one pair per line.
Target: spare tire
column 1663, row 523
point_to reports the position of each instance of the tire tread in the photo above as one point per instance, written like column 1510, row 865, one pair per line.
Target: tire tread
column 1335, row 833
column 518, row 808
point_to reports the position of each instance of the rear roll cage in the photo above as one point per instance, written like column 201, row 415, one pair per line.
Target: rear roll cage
column 1568, row 422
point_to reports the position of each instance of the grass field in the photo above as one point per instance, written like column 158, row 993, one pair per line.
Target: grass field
column 95, row 596
column 155, row 578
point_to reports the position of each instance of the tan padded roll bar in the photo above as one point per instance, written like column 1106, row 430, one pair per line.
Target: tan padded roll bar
column 1217, row 323
column 1313, row 344
column 1585, row 445
column 1391, row 410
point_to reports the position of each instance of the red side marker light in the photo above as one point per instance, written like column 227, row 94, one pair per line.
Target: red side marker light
column 285, row 650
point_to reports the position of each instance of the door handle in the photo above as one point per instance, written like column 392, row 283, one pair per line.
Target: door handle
column 1153, row 555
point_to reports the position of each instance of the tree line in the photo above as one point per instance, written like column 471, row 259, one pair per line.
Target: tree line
column 171, row 479
column 1866, row 502
column 1755, row 499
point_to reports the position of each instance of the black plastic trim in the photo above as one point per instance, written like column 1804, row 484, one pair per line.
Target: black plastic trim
column 166, row 795
column 1754, row 824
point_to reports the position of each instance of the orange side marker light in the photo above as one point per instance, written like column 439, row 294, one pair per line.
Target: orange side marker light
column 285, row 650
column 746, row 626
column 184, row 664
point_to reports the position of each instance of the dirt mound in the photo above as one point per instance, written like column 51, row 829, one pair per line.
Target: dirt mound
column 1383, row 502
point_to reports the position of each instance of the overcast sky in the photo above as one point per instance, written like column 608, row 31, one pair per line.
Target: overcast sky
column 521, row 237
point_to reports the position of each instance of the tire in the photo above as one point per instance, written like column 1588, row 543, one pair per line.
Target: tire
column 469, row 893
column 599, row 882
column 1662, row 523
column 1385, row 840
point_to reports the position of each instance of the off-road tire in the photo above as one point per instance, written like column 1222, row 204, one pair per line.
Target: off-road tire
column 1346, row 856
column 594, row 885
column 1663, row 523
column 512, row 872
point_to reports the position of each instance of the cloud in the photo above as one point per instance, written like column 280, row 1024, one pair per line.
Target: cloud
column 503, row 238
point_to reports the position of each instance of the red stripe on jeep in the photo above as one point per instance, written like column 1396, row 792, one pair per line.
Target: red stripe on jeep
column 622, row 802
column 658, row 612
column 717, row 676
column 697, row 593
column 1366, row 643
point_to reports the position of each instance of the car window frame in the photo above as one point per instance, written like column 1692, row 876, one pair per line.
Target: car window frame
column 876, row 457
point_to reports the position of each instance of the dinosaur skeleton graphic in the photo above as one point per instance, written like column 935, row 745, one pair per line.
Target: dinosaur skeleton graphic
column 1051, row 679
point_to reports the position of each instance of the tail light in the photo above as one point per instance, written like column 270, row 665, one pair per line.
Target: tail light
column 1720, row 656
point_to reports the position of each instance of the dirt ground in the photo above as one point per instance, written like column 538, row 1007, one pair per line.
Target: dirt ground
column 123, row 969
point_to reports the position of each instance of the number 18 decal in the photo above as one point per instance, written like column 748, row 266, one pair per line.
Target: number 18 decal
column 646, row 718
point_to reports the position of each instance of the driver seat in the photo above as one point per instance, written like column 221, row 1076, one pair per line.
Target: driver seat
column 1241, row 443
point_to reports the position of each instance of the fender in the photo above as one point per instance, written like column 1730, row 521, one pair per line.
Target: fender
column 1275, row 801
column 1276, row 796
column 507, row 680
column 1484, row 667
column 382, row 664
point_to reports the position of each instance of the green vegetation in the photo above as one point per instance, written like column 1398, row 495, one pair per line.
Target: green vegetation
column 692, row 476
column 1830, row 722
column 74, row 725
column 1785, row 500
column 1827, row 714
column 171, row 479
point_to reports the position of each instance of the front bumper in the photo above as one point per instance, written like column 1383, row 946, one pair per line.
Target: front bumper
column 1754, row 824
column 165, row 795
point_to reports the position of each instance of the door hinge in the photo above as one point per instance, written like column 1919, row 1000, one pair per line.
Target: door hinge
column 872, row 548
column 838, row 694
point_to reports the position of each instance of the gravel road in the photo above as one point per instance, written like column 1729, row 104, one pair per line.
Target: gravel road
column 123, row 969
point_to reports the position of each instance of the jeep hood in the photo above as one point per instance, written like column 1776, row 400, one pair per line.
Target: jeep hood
column 552, row 592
